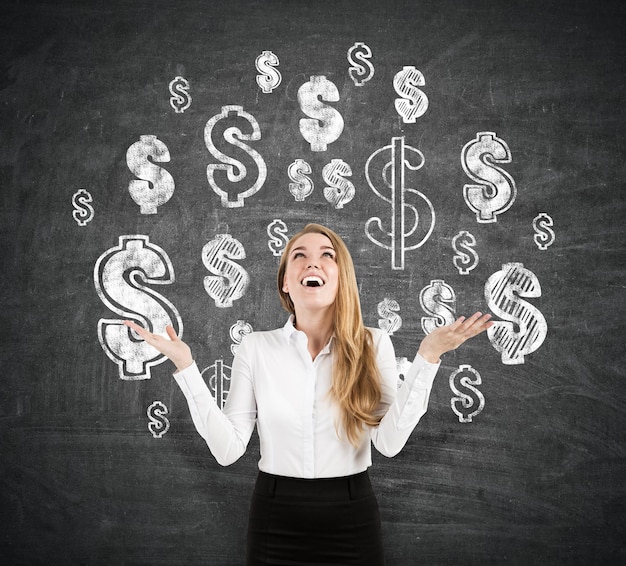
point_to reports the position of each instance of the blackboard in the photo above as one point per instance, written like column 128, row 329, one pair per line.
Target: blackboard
column 99, row 466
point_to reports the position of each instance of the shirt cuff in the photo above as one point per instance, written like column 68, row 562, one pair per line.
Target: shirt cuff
column 191, row 382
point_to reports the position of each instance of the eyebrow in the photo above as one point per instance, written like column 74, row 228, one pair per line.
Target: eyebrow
column 304, row 248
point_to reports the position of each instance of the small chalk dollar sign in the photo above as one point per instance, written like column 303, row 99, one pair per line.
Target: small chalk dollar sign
column 83, row 211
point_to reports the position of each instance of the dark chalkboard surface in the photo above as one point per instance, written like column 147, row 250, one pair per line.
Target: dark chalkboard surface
column 471, row 153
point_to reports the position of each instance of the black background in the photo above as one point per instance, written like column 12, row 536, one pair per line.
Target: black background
column 537, row 478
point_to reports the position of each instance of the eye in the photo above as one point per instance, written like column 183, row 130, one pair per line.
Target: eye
column 331, row 255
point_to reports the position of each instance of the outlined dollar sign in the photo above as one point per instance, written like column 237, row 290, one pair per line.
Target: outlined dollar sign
column 469, row 401
column 158, row 423
column 390, row 321
column 270, row 77
column 411, row 224
column 236, row 171
column 496, row 190
column 526, row 328
column 218, row 375
column 120, row 277
column 325, row 124
column 301, row 185
column 180, row 99
column 544, row 235
column 230, row 280
column 83, row 211
column 361, row 69
column 438, row 300
column 339, row 191
column 237, row 331
column 414, row 102
column 277, row 232
column 465, row 258
column 157, row 185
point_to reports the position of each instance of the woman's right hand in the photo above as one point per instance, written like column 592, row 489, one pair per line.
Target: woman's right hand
column 174, row 348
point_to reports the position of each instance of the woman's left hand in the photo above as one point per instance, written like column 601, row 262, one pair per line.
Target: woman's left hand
column 446, row 338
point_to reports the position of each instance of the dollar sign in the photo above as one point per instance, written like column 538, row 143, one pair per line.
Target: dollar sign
column 326, row 124
column 270, row 77
column 340, row 191
column 466, row 257
column 361, row 69
column 302, row 186
column 159, row 424
column 157, row 186
column 438, row 300
column 180, row 99
column 235, row 170
column 231, row 280
column 469, row 401
column 544, row 236
column 277, row 232
column 119, row 277
column 414, row 102
column 237, row 332
column 83, row 211
column 390, row 321
column 389, row 164
column 527, row 328
column 496, row 190
column 219, row 381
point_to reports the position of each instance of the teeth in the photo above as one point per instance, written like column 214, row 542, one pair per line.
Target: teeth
column 312, row 282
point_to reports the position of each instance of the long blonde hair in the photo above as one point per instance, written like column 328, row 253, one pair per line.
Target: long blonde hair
column 356, row 380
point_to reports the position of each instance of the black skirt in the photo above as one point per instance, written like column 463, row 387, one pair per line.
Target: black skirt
column 321, row 521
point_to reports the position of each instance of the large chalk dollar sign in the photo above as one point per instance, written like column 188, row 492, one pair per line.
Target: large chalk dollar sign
column 302, row 185
column 230, row 280
column 270, row 77
column 439, row 301
column 469, row 401
column 120, row 277
column 409, row 227
column 340, row 191
column 326, row 124
column 414, row 102
column 495, row 191
column 236, row 171
column 157, row 185
column 527, row 327
column 361, row 69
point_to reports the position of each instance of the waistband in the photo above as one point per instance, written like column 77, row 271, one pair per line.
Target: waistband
column 356, row 486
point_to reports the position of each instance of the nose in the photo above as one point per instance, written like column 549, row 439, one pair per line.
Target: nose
column 313, row 263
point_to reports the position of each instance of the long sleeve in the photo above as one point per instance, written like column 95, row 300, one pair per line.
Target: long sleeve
column 404, row 407
column 226, row 432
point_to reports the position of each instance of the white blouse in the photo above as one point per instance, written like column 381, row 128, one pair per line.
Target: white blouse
column 277, row 386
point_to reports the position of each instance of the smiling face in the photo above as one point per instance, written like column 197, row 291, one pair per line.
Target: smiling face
column 311, row 275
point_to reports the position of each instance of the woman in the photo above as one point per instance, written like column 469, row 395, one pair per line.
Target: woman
column 320, row 390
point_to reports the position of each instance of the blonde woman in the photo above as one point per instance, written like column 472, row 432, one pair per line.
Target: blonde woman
column 320, row 390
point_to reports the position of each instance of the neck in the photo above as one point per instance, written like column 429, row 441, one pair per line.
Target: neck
column 318, row 327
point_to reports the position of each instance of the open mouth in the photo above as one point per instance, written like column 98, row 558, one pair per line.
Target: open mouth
column 312, row 281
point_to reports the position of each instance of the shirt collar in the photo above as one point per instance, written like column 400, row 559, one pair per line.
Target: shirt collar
column 290, row 330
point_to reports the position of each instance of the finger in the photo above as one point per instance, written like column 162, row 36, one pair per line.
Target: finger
column 479, row 325
column 171, row 333
column 138, row 329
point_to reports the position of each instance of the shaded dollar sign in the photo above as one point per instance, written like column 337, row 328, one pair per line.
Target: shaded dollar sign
column 158, row 423
column 270, row 77
column 83, row 211
column 544, row 236
column 361, row 69
column 277, row 232
column 340, row 191
column 120, row 276
column 236, row 171
column 495, row 191
column 526, row 328
column 230, row 280
column 302, row 185
column 409, row 227
column 325, row 124
column 157, row 185
column 218, row 381
column 469, row 401
column 390, row 321
column 180, row 99
column 414, row 102
column 438, row 300
column 237, row 331
column 465, row 258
